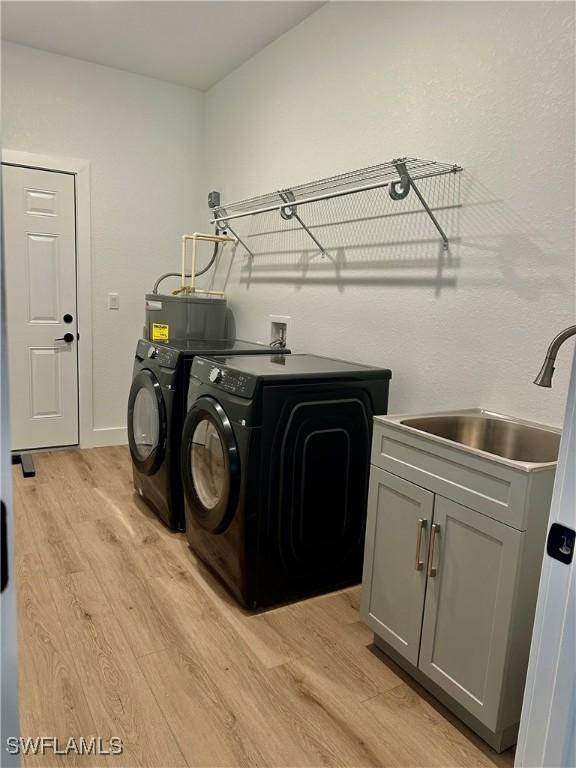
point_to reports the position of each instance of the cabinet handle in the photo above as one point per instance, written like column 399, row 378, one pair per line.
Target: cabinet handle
column 431, row 569
column 421, row 526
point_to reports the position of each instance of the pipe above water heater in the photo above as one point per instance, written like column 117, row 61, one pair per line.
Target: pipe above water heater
column 195, row 237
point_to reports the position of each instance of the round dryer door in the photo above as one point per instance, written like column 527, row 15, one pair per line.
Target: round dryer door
column 146, row 422
column 210, row 465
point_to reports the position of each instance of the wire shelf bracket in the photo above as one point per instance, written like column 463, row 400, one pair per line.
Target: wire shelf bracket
column 290, row 212
column 398, row 175
column 223, row 226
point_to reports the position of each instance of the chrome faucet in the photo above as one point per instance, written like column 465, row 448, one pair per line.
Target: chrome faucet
column 544, row 378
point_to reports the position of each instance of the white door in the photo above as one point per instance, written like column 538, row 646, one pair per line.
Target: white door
column 9, row 721
column 548, row 726
column 40, row 253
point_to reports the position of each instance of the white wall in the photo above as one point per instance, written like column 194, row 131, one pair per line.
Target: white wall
column 487, row 85
column 143, row 139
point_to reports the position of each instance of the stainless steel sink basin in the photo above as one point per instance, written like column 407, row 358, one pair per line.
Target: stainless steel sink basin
column 510, row 439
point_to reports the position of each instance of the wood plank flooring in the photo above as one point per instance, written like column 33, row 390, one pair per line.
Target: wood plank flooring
column 122, row 632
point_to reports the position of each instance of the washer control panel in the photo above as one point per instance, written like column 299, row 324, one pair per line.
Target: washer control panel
column 166, row 357
column 229, row 380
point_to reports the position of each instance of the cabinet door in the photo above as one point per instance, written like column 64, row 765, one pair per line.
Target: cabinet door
column 469, row 604
column 394, row 581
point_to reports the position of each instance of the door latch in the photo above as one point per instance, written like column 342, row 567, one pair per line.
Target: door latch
column 560, row 544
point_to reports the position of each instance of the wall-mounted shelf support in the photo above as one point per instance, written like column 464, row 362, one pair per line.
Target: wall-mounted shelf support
column 399, row 189
column 398, row 175
column 223, row 225
column 426, row 207
column 290, row 212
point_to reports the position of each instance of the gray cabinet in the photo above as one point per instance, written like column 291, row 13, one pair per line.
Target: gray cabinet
column 400, row 516
column 469, row 603
column 449, row 590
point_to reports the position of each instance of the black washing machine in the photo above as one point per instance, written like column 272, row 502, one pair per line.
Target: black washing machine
column 156, row 411
column 275, row 463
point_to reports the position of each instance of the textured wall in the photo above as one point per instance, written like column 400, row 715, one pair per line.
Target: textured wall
column 142, row 137
column 490, row 86
column 487, row 85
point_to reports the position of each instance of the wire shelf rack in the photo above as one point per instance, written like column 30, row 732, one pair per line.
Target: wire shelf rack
column 398, row 175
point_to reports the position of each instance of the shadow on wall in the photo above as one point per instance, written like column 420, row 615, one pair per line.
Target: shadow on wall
column 370, row 239
column 507, row 249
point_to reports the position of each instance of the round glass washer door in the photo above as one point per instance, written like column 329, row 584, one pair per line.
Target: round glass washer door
column 210, row 466
column 207, row 464
column 146, row 422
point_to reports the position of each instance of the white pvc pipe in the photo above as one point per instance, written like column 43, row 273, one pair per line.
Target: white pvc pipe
column 195, row 237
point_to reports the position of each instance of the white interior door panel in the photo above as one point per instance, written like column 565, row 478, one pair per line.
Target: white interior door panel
column 40, row 242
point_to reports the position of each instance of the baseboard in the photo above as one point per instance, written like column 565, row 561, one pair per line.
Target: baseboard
column 103, row 436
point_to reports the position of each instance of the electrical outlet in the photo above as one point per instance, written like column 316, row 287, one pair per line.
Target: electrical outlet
column 279, row 325
column 113, row 301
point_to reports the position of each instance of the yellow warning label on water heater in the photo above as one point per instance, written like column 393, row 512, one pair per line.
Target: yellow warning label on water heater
column 160, row 332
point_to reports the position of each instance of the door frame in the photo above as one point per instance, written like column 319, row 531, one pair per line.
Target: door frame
column 549, row 710
column 87, row 434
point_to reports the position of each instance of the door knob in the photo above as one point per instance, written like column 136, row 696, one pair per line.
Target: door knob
column 68, row 338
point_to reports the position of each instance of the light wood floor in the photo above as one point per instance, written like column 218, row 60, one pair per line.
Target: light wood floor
column 123, row 633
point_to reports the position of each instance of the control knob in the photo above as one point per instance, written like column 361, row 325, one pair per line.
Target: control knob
column 152, row 352
column 215, row 375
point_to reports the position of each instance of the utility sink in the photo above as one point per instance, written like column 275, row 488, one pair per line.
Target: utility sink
column 518, row 443
column 491, row 433
column 498, row 465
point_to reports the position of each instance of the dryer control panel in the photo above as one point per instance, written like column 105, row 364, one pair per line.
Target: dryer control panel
column 224, row 378
column 165, row 356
